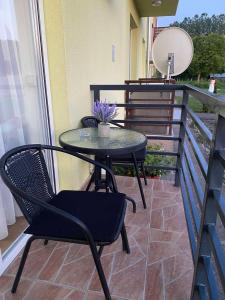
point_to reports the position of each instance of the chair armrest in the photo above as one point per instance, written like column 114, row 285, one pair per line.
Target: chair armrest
column 87, row 159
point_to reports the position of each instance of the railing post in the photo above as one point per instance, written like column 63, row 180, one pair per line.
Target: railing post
column 181, row 136
column 214, row 181
column 96, row 95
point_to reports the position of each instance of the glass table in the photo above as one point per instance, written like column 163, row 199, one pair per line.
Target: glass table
column 86, row 140
column 120, row 141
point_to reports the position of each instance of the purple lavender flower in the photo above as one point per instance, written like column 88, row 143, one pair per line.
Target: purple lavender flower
column 104, row 112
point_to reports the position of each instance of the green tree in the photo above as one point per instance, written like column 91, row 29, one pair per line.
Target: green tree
column 203, row 24
column 209, row 55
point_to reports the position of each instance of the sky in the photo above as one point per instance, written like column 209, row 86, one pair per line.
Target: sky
column 189, row 8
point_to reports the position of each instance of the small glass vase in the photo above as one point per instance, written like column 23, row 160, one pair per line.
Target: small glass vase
column 103, row 129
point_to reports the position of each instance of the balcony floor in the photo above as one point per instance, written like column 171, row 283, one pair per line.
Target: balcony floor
column 158, row 268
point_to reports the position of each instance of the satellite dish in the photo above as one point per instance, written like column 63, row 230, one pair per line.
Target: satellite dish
column 172, row 51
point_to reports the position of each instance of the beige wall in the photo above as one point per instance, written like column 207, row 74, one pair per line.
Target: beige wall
column 80, row 36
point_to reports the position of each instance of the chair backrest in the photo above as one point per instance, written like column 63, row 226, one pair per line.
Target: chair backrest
column 89, row 121
column 24, row 168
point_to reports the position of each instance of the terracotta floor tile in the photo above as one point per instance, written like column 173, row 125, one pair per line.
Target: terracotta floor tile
column 158, row 267
column 43, row 291
column 160, row 250
column 176, row 224
column 5, row 283
column 142, row 239
column 34, row 263
column 37, row 244
column 77, row 251
column 55, row 261
column 131, row 229
column 75, row 295
column 129, row 283
column 180, row 288
column 164, row 236
column 62, row 244
column 140, row 218
column 107, row 262
column 157, row 220
column 158, row 185
column 149, row 185
column 21, row 292
column 176, row 266
column 123, row 260
column 172, row 211
column 170, row 187
column 154, row 282
column 161, row 202
column 117, row 246
column 76, row 274
column 98, row 296
column 183, row 241
column 95, row 296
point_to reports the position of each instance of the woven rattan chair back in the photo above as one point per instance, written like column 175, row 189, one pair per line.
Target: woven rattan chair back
column 28, row 172
column 89, row 121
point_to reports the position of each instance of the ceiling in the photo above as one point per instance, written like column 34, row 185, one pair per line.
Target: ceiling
column 145, row 8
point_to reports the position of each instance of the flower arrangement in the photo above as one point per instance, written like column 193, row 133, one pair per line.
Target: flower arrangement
column 104, row 112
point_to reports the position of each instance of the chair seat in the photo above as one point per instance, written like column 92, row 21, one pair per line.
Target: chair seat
column 102, row 213
column 140, row 156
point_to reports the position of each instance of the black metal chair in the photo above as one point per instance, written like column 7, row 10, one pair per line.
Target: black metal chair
column 137, row 160
column 95, row 219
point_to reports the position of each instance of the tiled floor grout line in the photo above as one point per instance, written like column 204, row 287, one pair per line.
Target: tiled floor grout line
column 146, row 265
column 112, row 267
column 163, row 281
column 45, row 264
column 177, row 239
column 177, row 278
column 89, row 283
column 139, row 247
column 29, row 289
column 148, row 247
column 77, row 259
column 60, row 285
column 62, row 264
column 70, row 293
column 123, row 269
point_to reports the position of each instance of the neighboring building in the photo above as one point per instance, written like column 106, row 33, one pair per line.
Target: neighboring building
column 51, row 51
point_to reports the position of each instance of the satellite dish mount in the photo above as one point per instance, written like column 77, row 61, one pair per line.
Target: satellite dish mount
column 170, row 69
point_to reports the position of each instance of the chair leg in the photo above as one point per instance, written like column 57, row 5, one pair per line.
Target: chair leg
column 100, row 250
column 139, row 180
column 101, row 274
column 126, row 246
column 133, row 203
column 143, row 172
column 22, row 263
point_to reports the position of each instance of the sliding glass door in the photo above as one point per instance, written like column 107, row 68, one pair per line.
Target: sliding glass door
column 24, row 109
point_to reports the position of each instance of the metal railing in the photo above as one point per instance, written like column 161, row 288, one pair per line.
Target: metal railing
column 200, row 178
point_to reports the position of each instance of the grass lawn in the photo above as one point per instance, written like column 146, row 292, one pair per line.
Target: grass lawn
column 204, row 84
column 195, row 104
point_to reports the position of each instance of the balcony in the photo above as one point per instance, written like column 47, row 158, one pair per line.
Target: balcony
column 177, row 243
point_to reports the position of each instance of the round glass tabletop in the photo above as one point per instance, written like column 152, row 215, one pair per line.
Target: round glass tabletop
column 86, row 140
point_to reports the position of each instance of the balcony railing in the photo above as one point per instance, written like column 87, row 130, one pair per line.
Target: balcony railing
column 199, row 175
